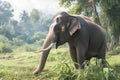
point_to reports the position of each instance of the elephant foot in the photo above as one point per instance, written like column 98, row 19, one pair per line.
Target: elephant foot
column 76, row 70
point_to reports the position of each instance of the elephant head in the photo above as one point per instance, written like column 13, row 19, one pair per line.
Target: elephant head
column 62, row 28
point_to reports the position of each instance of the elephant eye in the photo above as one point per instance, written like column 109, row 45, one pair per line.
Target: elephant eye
column 57, row 29
column 58, row 20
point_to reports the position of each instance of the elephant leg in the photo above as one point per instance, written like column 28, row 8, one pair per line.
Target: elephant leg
column 81, row 56
column 73, row 55
column 87, row 60
column 103, row 62
column 101, row 55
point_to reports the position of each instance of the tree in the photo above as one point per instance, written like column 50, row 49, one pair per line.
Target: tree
column 5, row 12
column 7, row 31
column 26, row 26
column 86, row 7
column 111, row 9
column 24, row 16
column 34, row 16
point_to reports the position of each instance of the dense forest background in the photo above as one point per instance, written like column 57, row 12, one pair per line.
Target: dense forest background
column 32, row 27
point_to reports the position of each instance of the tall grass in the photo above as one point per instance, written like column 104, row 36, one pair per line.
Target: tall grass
column 5, row 48
column 91, row 72
column 59, row 66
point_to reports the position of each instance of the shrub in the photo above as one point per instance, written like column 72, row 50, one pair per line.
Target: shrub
column 115, row 51
column 30, row 48
column 3, row 39
column 17, row 42
column 39, row 42
column 91, row 72
column 5, row 48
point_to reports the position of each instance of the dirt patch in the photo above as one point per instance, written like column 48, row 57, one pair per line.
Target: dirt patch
column 6, row 58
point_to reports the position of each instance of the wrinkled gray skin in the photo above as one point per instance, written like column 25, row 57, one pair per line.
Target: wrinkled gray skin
column 85, row 38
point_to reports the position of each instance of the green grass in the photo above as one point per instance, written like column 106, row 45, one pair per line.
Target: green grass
column 19, row 65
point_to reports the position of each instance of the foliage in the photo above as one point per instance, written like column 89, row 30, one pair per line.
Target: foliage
column 85, row 7
column 73, row 4
column 3, row 39
column 5, row 48
column 5, row 12
column 115, row 51
column 111, row 10
column 7, row 31
column 24, row 16
column 65, row 72
column 34, row 16
column 30, row 29
column 32, row 32
column 39, row 36
column 58, row 67
column 17, row 42
column 91, row 72
column 30, row 48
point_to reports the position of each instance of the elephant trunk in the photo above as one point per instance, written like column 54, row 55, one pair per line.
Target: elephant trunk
column 48, row 41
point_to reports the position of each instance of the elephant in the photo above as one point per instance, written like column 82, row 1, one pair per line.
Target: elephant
column 85, row 39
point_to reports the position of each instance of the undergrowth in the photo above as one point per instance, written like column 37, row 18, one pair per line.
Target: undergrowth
column 91, row 72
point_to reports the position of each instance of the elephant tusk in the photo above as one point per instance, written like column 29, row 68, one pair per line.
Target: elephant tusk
column 50, row 46
column 42, row 50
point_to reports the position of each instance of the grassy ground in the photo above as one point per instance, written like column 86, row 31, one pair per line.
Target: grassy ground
column 20, row 65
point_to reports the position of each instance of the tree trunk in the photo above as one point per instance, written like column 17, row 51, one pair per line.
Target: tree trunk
column 114, row 42
column 96, row 16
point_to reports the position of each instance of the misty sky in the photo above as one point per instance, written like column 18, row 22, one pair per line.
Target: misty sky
column 48, row 6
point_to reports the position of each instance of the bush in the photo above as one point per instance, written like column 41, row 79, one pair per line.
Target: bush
column 5, row 48
column 17, row 42
column 30, row 48
column 3, row 39
column 91, row 72
column 39, row 42
column 115, row 51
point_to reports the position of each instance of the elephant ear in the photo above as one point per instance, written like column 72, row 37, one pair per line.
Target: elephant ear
column 74, row 26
